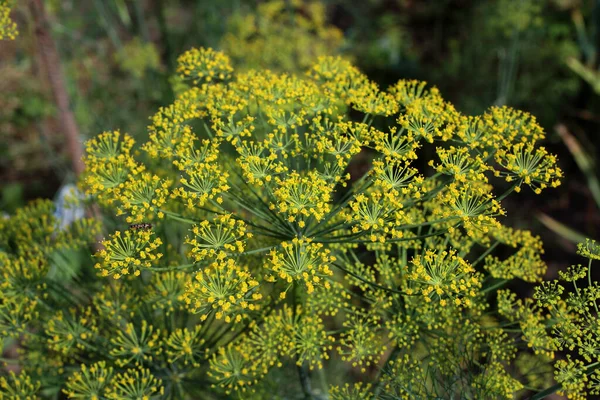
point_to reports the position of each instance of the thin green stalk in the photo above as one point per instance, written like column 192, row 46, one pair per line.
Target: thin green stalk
column 104, row 21
column 261, row 200
column 485, row 253
column 360, row 278
column 405, row 239
column 261, row 250
column 175, row 268
column 509, row 191
column 501, row 283
column 589, row 276
column 141, row 20
column 178, row 217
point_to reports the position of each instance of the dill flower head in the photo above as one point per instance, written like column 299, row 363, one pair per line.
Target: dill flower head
column 474, row 206
column 128, row 252
column 169, row 290
column 19, row 386
column 72, row 331
column 530, row 165
column 445, row 276
column 34, row 232
column 109, row 163
column 225, row 288
column 497, row 382
column 302, row 261
column 356, row 391
column 359, row 345
column 8, row 28
column 90, row 382
column 116, row 302
column 461, row 164
column 218, row 238
column 589, row 249
column 232, row 368
column 142, row 197
column 525, row 263
column 311, row 343
column 572, row 378
column 203, row 65
column 109, row 146
column 187, row 346
column 201, row 186
column 15, row 315
column 300, row 198
column 135, row 344
column 135, row 383
column 404, row 377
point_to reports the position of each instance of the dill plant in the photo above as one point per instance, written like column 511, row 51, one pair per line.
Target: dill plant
column 267, row 261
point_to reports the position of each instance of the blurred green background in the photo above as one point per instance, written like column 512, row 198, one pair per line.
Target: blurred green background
column 118, row 60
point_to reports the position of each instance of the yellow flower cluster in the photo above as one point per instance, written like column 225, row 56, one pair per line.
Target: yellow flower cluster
column 135, row 346
column 359, row 345
column 19, row 386
column 532, row 166
column 109, row 165
column 142, row 197
column 8, row 28
column 218, row 238
column 71, row 332
column 187, row 345
column 302, row 261
column 446, row 277
column 287, row 332
column 300, row 198
column 203, row 65
column 293, row 216
column 225, row 288
column 525, row 263
column 128, row 252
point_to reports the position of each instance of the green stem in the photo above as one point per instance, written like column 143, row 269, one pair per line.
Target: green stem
column 405, row 239
column 175, row 268
column 509, row 191
column 589, row 275
column 261, row 250
column 178, row 217
column 360, row 278
column 502, row 282
column 485, row 253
